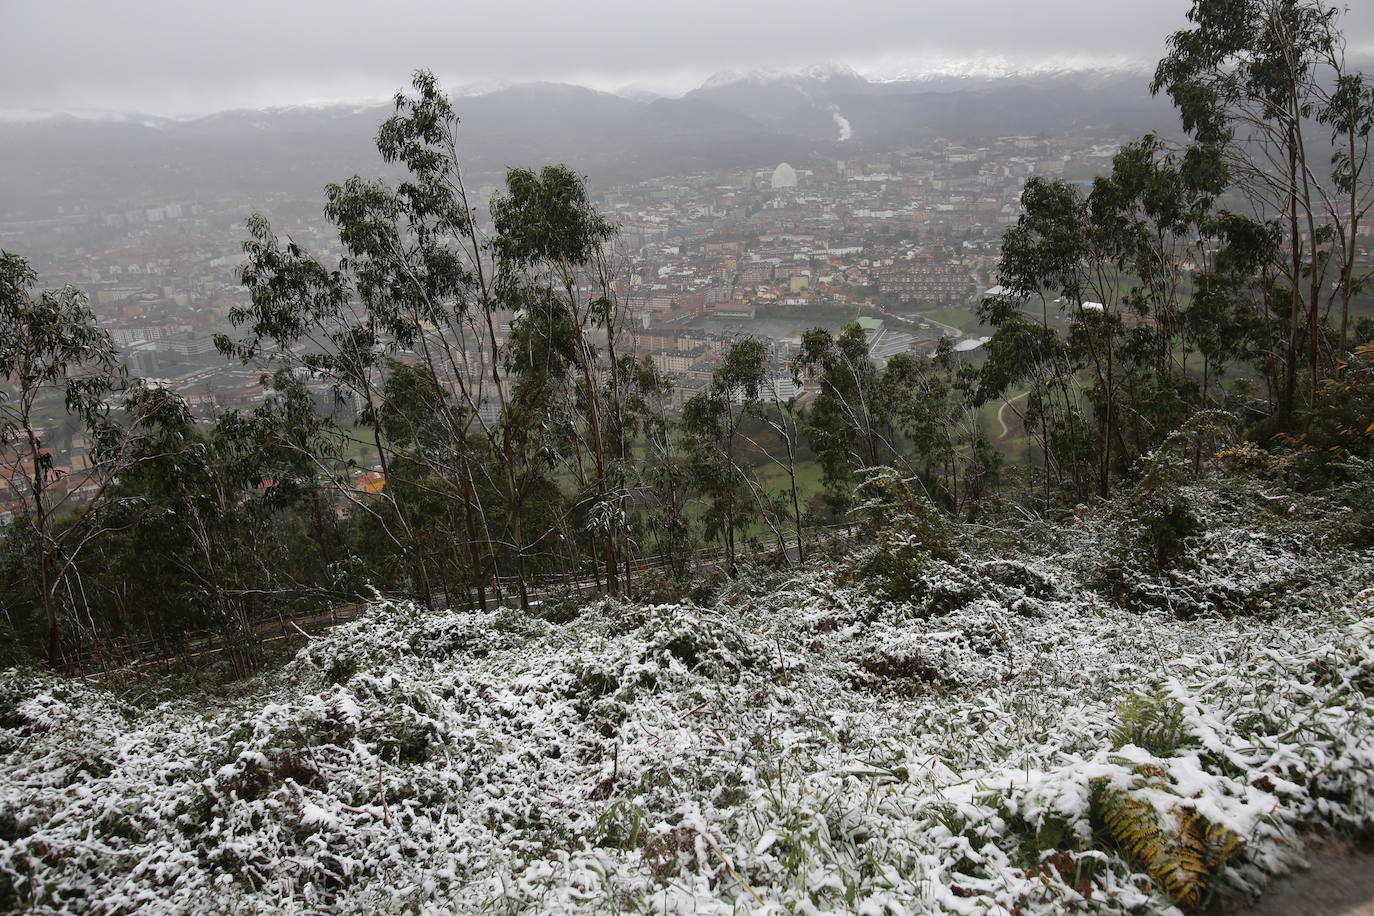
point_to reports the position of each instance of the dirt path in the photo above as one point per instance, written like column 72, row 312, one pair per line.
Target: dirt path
column 1002, row 414
column 1339, row 883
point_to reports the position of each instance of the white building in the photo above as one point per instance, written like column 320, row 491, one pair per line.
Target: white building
column 784, row 176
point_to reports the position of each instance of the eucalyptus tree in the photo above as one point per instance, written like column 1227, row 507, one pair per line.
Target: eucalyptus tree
column 761, row 393
column 707, row 435
column 1259, row 79
column 1123, row 264
column 933, row 401
column 1235, row 315
column 1027, row 353
column 285, row 459
column 53, row 353
column 436, row 505
column 783, row 417
column 332, row 322
column 712, row 422
column 1152, row 217
column 1348, row 113
column 421, row 280
column 217, row 525
column 548, row 242
column 744, row 378
column 1073, row 248
column 662, row 481
column 848, row 426
column 415, row 278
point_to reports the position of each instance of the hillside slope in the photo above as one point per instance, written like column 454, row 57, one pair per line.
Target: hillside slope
column 1013, row 729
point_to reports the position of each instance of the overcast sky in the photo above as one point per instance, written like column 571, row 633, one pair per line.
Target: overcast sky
column 178, row 57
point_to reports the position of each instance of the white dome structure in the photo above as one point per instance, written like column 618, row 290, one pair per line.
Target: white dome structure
column 784, row 176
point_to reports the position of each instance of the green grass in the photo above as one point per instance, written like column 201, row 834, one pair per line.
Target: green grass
column 774, row 479
column 963, row 319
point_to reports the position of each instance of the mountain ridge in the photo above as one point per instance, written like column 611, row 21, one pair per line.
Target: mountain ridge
column 727, row 123
column 987, row 72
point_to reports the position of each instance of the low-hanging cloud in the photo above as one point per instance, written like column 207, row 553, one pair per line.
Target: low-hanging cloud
column 171, row 58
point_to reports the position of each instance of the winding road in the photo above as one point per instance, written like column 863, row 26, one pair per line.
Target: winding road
column 1002, row 415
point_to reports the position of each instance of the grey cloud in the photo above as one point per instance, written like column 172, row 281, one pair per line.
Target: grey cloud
column 182, row 57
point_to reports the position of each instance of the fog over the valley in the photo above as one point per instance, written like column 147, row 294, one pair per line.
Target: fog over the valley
column 174, row 58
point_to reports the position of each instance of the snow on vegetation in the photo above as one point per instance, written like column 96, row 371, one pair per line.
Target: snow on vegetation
column 990, row 731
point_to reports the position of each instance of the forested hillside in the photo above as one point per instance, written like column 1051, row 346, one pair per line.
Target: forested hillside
column 516, row 444
column 852, row 650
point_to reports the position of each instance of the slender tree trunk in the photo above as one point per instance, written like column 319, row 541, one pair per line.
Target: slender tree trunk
column 1314, row 288
column 507, row 446
column 1295, row 296
column 730, row 489
column 607, row 537
column 618, row 424
column 1111, row 407
column 1350, row 247
column 796, row 502
column 50, row 608
column 522, row 586
column 46, row 559
column 470, row 525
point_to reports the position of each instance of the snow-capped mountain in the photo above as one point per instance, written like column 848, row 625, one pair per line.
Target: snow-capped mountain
column 990, row 68
column 36, row 115
column 763, row 76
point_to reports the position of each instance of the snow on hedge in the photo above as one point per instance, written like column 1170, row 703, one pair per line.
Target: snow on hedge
column 991, row 743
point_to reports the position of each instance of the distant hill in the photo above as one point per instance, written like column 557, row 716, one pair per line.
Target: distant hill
column 731, row 121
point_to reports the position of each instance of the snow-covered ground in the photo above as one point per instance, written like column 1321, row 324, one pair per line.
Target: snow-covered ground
column 988, row 744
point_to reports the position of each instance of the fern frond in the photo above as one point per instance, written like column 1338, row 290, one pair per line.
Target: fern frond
column 1153, row 722
column 1184, row 859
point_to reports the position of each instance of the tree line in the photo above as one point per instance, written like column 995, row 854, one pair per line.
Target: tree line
column 1220, row 272
column 521, row 443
